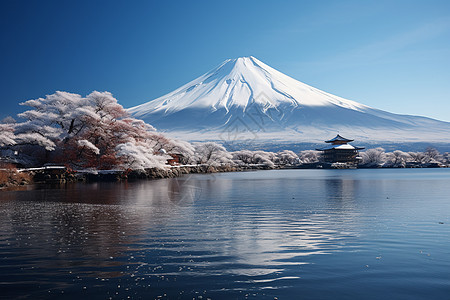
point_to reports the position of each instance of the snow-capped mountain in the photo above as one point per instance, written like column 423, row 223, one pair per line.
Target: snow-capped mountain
column 244, row 99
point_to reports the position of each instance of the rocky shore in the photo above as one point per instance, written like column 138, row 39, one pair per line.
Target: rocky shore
column 11, row 178
column 58, row 174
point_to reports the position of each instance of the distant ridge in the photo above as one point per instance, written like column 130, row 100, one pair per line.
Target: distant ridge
column 244, row 100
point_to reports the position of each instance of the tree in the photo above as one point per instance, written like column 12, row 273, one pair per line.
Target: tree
column 211, row 153
column 417, row 157
column 7, row 136
column 247, row 157
column 309, row 156
column 90, row 132
column 446, row 158
column 139, row 156
column 397, row 159
column 286, row 157
column 52, row 119
column 172, row 146
column 373, row 157
column 432, row 155
column 243, row 157
column 264, row 158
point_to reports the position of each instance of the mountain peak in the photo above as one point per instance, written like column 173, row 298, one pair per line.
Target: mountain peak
column 243, row 58
column 243, row 86
column 248, row 61
column 241, row 82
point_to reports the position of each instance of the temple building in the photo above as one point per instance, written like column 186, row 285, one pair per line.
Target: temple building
column 340, row 151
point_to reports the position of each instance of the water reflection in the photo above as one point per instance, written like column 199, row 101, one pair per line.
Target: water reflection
column 184, row 191
column 170, row 227
column 228, row 233
column 341, row 189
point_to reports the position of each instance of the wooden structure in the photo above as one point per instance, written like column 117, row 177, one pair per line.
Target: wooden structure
column 340, row 151
column 177, row 159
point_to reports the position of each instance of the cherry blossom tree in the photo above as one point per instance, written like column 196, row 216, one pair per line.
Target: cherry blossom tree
column 52, row 119
column 93, row 131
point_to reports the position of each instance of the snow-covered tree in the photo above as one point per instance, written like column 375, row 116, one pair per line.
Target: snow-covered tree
column 184, row 148
column 373, row 157
column 52, row 119
column 105, row 127
column 172, row 146
column 309, row 156
column 286, row 157
column 243, row 157
column 417, row 157
column 92, row 131
column 446, row 158
column 247, row 157
column 7, row 136
column 211, row 153
column 264, row 158
column 139, row 156
column 432, row 155
column 397, row 159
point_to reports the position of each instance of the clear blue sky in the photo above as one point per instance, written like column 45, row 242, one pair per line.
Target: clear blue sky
column 392, row 55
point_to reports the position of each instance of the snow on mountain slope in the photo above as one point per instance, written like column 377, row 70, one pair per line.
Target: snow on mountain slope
column 238, row 82
column 245, row 99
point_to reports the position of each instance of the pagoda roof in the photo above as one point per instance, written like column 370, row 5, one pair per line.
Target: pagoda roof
column 338, row 138
column 340, row 147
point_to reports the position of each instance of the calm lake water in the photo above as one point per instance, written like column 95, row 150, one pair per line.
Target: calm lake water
column 290, row 234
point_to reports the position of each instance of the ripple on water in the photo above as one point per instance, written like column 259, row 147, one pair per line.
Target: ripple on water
column 279, row 234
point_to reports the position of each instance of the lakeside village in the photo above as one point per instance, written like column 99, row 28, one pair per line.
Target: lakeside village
column 65, row 137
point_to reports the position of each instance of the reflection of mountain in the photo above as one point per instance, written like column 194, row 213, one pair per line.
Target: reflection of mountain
column 183, row 191
column 244, row 99
column 174, row 219
column 244, row 228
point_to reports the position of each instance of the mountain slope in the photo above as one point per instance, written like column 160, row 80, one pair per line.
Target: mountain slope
column 244, row 99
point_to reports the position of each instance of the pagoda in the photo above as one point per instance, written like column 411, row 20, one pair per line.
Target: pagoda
column 340, row 151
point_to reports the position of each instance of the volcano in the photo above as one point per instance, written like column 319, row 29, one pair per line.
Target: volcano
column 244, row 100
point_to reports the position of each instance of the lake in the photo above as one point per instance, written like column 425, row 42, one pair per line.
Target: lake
column 285, row 234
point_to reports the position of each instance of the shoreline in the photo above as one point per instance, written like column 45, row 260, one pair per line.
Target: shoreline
column 60, row 174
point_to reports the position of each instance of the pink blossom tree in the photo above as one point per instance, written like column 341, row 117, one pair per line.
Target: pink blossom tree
column 93, row 131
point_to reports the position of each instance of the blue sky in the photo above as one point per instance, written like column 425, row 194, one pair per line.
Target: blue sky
column 392, row 55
